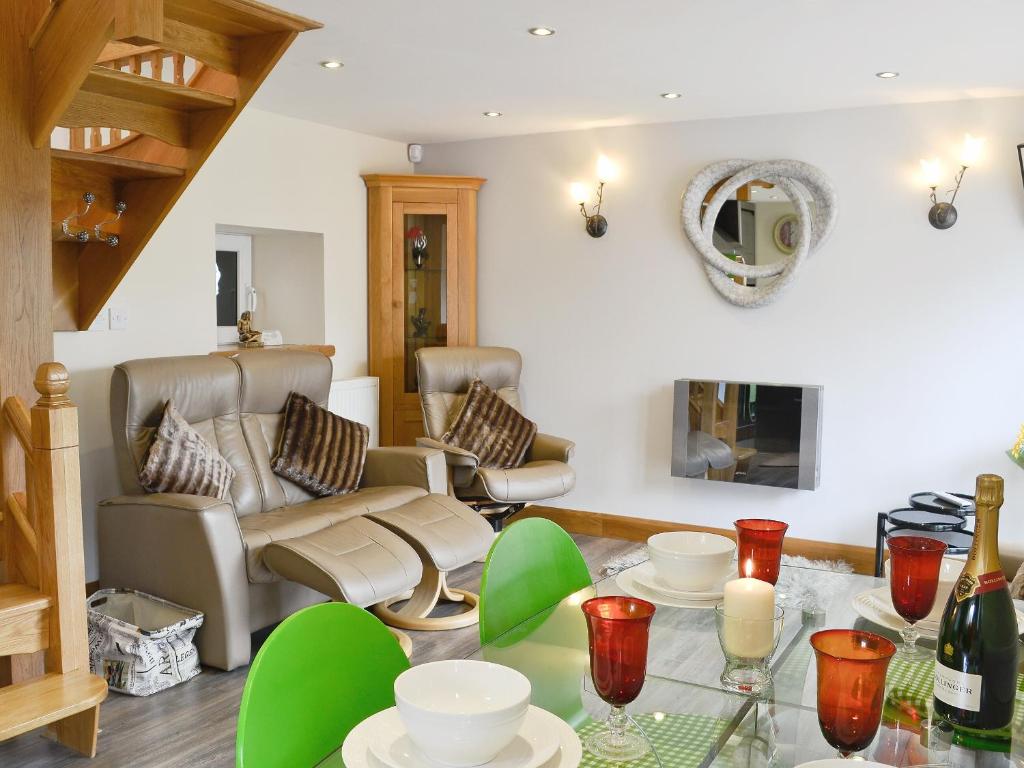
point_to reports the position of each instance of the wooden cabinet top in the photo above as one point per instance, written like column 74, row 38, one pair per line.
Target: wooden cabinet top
column 422, row 180
column 227, row 350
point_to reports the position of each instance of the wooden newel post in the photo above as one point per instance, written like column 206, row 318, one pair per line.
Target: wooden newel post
column 56, row 491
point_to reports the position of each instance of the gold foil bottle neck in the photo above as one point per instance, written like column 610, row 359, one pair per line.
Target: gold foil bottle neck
column 989, row 491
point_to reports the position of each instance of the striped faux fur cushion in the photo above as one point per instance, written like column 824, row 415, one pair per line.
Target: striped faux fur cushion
column 180, row 460
column 496, row 432
column 318, row 450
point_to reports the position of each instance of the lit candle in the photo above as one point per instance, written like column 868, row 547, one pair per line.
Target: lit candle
column 749, row 631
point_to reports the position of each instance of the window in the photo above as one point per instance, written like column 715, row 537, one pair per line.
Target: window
column 235, row 292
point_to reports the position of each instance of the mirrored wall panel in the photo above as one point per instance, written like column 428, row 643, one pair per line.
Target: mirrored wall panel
column 747, row 432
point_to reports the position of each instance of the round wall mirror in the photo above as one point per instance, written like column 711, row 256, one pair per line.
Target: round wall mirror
column 755, row 223
column 756, row 226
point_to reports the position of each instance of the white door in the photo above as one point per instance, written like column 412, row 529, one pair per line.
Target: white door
column 235, row 291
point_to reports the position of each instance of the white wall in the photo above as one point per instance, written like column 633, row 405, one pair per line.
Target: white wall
column 269, row 171
column 914, row 333
column 288, row 274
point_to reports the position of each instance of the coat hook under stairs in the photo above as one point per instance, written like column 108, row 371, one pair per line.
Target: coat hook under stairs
column 83, row 235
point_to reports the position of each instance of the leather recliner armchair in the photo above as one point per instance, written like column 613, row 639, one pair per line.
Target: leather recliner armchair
column 445, row 375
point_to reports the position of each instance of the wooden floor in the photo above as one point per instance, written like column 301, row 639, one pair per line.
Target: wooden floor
column 193, row 725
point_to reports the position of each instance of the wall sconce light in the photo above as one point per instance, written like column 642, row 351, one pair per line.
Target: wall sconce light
column 597, row 224
column 1020, row 157
column 943, row 215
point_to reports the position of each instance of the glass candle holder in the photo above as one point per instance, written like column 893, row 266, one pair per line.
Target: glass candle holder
column 748, row 646
column 759, row 548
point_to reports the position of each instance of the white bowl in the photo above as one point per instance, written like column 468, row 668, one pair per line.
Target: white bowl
column 949, row 572
column 462, row 713
column 690, row 560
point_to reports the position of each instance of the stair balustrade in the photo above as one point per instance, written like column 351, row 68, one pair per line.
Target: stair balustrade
column 42, row 599
column 145, row 61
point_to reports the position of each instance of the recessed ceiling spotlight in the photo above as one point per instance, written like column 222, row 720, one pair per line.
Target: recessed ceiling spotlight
column 671, row 95
column 492, row 114
column 541, row 31
column 331, row 64
column 887, row 75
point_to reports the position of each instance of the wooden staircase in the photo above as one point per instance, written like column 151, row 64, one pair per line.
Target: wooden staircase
column 138, row 129
column 42, row 598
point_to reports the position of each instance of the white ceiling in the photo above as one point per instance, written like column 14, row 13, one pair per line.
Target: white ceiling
column 424, row 71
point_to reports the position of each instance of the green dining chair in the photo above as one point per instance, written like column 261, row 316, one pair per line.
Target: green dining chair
column 532, row 565
column 323, row 671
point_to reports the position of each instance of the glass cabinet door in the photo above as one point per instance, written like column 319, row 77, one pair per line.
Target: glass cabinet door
column 425, row 273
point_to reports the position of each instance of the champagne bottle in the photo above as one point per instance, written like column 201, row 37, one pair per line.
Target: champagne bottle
column 976, row 653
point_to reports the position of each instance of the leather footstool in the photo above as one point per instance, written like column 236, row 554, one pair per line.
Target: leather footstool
column 446, row 534
column 356, row 561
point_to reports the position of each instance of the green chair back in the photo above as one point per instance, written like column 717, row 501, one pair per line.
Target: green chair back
column 324, row 670
column 532, row 565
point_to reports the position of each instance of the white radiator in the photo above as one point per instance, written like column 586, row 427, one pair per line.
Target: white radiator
column 357, row 399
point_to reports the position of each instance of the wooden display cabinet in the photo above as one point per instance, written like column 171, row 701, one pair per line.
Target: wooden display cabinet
column 421, row 244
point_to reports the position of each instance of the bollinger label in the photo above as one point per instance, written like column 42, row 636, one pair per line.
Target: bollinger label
column 958, row 689
column 969, row 585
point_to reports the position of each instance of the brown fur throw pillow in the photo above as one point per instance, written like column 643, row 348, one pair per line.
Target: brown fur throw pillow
column 318, row 450
column 180, row 460
column 496, row 432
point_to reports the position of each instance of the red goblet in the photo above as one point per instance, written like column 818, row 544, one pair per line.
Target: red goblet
column 851, row 686
column 759, row 548
column 914, row 567
column 618, row 627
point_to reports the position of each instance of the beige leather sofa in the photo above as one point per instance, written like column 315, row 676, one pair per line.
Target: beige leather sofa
column 445, row 375
column 270, row 548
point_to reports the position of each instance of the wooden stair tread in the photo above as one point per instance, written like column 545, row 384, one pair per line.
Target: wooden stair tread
column 105, row 81
column 44, row 700
column 238, row 18
column 17, row 599
column 116, row 168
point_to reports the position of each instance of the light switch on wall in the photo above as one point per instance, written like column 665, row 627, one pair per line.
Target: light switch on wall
column 118, row 318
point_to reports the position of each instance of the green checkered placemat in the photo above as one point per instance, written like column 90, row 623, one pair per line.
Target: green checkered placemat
column 682, row 741
column 913, row 681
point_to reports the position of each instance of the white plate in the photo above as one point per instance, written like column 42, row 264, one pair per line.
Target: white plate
column 838, row 762
column 535, row 744
column 645, row 575
column 356, row 752
column 633, row 588
column 875, row 605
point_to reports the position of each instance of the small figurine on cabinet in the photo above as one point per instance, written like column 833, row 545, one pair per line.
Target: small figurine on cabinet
column 247, row 335
column 420, row 323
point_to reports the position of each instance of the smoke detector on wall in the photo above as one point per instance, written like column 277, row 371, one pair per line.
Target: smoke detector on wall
column 415, row 153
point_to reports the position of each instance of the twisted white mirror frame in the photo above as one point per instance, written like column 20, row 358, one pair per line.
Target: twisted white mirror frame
column 802, row 183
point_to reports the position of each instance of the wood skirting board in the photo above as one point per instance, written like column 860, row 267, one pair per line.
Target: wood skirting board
column 640, row 529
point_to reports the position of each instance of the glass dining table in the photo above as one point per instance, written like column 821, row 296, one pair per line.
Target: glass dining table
column 692, row 722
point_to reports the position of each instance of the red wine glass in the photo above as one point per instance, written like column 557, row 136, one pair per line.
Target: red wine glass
column 618, row 628
column 851, row 686
column 914, row 567
column 759, row 548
